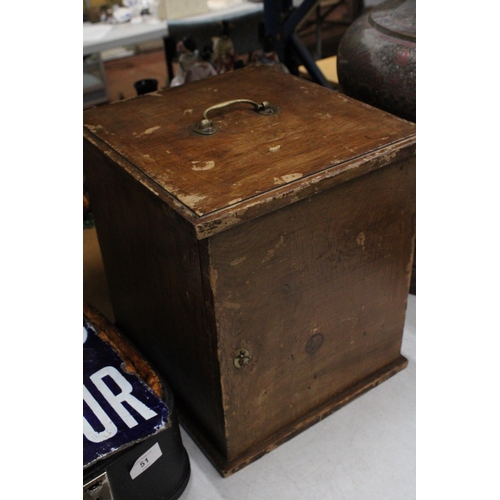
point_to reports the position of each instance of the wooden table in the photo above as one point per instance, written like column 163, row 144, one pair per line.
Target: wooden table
column 100, row 37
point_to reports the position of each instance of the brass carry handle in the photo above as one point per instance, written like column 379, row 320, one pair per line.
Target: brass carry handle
column 206, row 126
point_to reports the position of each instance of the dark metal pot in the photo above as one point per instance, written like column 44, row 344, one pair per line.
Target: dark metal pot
column 376, row 60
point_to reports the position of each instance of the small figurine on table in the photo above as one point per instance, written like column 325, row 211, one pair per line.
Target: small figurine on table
column 224, row 54
column 203, row 68
column 106, row 13
column 267, row 56
column 187, row 56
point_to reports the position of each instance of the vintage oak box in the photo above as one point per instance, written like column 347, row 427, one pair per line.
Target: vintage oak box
column 264, row 269
column 132, row 447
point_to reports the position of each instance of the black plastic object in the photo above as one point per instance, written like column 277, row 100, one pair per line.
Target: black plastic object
column 146, row 85
column 165, row 480
column 139, row 460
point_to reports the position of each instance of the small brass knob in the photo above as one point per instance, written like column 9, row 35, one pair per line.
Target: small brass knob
column 242, row 358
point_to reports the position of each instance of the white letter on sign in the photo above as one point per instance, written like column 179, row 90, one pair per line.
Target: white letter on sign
column 109, row 427
column 116, row 400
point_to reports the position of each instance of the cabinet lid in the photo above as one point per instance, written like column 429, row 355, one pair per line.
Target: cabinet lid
column 255, row 163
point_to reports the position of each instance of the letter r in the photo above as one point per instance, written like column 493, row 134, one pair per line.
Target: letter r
column 116, row 400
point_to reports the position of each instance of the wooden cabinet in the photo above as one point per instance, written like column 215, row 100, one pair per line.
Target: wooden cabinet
column 264, row 269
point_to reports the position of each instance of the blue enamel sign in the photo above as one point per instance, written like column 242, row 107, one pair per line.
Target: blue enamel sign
column 119, row 409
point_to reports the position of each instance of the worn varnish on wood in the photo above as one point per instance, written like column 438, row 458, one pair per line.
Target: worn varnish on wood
column 264, row 269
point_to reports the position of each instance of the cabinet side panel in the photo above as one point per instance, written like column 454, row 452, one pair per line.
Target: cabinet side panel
column 152, row 264
column 315, row 294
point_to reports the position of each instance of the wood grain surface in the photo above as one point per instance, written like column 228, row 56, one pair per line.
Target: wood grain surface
column 316, row 293
column 254, row 162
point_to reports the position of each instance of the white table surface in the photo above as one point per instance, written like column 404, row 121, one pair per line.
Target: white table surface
column 364, row 451
column 100, row 37
column 118, row 35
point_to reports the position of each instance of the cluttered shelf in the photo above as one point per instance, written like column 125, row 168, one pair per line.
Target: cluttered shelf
column 116, row 31
column 146, row 47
